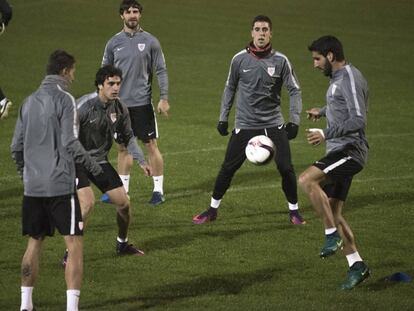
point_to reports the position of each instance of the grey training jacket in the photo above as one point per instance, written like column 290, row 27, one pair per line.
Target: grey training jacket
column 258, row 84
column 346, row 113
column 45, row 144
column 101, row 123
column 138, row 55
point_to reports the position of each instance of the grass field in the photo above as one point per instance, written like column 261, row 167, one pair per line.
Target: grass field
column 251, row 258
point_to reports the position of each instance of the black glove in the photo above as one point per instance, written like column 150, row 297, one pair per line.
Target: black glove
column 222, row 127
column 291, row 130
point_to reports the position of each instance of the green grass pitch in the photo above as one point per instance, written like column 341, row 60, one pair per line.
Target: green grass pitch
column 251, row 258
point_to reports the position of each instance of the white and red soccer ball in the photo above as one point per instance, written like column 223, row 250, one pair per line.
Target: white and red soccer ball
column 260, row 150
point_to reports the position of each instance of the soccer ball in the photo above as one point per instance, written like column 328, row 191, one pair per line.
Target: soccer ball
column 260, row 150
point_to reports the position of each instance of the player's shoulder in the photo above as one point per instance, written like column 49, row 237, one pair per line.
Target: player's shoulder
column 239, row 55
column 86, row 100
column 119, row 36
column 280, row 56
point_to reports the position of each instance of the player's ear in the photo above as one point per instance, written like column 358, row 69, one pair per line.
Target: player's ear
column 100, row 86
column 330, row 57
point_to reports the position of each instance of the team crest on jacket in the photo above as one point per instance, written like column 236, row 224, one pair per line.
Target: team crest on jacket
column 271, row 71
column 141, row 46
column 113, row 117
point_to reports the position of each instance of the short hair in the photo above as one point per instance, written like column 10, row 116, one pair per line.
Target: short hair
column 262, row 18
column 126, row 4
column 106, row 72
column 326, row 44
column 58, row 61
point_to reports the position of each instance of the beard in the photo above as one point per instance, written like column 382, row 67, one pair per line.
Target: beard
column 327, row 70
column 131, row 24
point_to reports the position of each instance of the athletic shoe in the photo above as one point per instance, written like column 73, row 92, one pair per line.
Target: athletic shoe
column 4, row 108
column 358, row 273
column 128, row 249
column 105, row 199
column 333, row 242
column 206, row 216
column 64, row 259
column 295, row 218
column 157, row 198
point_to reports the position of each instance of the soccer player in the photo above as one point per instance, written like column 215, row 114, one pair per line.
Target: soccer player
column 138, row 54
column 257, row 74
column 6, row 15
column 45, row 148
column 103, row 118
column 328, row 180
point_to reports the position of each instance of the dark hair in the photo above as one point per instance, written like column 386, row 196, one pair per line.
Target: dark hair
column 106, row 72
column 262, row 18
column 327, row 44
column 58, row 61
column 126, row 4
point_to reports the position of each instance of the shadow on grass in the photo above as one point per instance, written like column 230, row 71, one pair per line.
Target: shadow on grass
column 223, row 284
column 386, row 282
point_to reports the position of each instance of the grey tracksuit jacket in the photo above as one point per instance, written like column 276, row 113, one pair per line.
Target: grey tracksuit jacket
column 45, row 144
column 346, row 113
column 101, row 123
column 258, row 84
column 138, row 55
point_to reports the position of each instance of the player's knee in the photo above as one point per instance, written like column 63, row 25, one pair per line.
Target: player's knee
column 123, row 207
column 304, row 181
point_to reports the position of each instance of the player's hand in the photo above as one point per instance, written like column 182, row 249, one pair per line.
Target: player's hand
column 146, row 168
column 222, row 127
column 313, row 114
column 291, row 130
column 163, row 107
column 315, row 136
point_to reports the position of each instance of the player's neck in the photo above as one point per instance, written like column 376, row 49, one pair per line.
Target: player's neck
column 132, row 30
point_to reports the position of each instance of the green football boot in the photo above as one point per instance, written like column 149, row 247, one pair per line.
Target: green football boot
column 333, row 242
column 358, row 273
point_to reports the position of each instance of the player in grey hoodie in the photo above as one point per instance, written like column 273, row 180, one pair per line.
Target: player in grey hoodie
column 328, row 180
column 45, row 147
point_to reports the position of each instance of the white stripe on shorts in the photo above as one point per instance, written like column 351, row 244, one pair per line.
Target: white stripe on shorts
column 72, row 215
column 336, row 164
column 156, row 125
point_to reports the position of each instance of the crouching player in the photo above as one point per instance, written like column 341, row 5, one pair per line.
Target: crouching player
column 103, row 118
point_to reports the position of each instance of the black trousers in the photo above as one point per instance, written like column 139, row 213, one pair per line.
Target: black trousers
column 235, row 156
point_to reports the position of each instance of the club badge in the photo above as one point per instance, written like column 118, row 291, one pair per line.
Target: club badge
column 113, row 117
column 271, row 71
column 141, row 46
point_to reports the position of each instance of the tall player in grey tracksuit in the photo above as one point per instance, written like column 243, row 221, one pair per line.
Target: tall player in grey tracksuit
column 257, row 75
column 45, row 147
column 138, row 54
column 328, row 180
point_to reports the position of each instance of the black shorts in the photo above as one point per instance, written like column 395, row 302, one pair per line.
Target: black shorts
column 340, row 168
column 106, row 181
column 143, row 122
column 41, row 215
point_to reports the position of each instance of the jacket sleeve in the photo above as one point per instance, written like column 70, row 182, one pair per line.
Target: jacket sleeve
column 355, row 99
column 295, row 95
column 125, row 135
column 17, row 148
column 70, row 132
column 160, row 68
column 229, row 90
column 108, row 56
